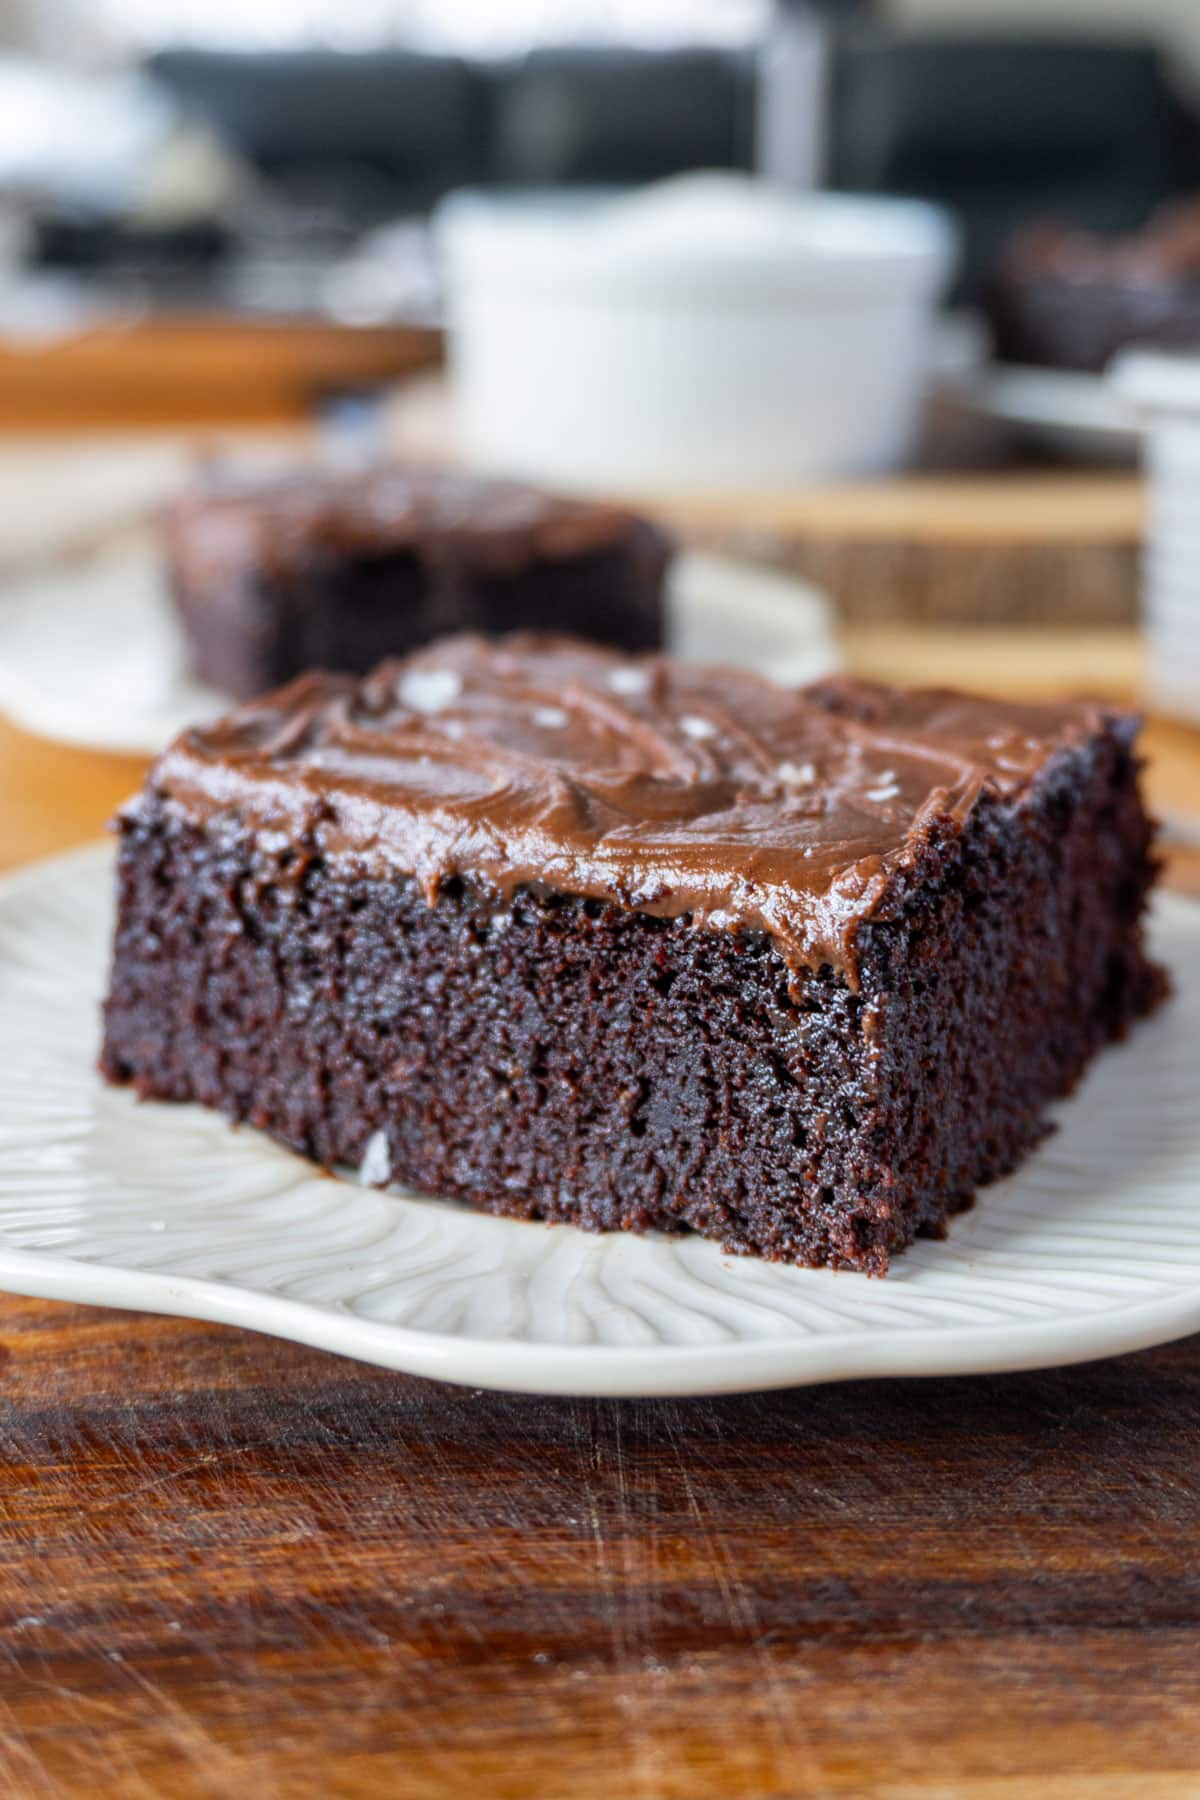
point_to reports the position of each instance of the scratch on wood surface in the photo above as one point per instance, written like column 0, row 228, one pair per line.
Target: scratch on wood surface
column 624, row 1590
column 193, row 1742
column 21, row 1771
column 777, row 1712
column 171, row 1478
column 321, row 1578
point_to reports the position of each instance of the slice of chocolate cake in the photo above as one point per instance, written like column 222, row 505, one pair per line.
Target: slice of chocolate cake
column 337, row 571
column 636, row 944
column 1065, row 298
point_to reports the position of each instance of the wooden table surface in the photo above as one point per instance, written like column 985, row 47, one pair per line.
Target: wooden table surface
column 230, row 1565
column 178, row 368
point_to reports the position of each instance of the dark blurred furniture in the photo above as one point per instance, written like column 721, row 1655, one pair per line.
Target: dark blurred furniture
column 598, row 116
column 377, row 134
column 390, row 132
column 96, row 243
column 998, row 128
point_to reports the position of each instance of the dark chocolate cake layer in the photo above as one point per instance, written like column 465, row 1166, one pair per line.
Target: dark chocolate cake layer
column 633, row 944
column 337, row 571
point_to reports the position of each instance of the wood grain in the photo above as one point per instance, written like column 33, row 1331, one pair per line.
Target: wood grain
column 231, row 1565
column 53, row 797
column 967, row 549
column 179, row 368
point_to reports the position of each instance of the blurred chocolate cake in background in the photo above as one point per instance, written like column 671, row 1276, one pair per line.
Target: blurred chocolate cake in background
column 1061, row 297
column 336, row 571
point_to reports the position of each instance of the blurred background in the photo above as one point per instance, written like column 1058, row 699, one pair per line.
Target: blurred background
column 897, row 299
column 192, row 153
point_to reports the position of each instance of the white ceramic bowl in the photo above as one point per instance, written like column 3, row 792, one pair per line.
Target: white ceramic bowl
column 710, row 333
column 1164, row 387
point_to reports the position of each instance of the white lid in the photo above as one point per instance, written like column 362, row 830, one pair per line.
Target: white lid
column 717, row 230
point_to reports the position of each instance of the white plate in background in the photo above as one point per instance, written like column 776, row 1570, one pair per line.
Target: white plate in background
column 1093, row 1248
column 1063, row 411
column 92, row 655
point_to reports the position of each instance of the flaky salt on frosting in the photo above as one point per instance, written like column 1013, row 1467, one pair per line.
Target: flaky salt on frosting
column 665, row 787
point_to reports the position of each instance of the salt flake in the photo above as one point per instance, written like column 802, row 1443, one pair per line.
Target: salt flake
column 375, row 1170
column 428, row 690
column 696, row 727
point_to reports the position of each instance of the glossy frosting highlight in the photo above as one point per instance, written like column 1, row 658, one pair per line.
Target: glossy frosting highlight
column 666, row 787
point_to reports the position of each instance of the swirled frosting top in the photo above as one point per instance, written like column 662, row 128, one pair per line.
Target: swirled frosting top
column 663, row 786
column 470, row 522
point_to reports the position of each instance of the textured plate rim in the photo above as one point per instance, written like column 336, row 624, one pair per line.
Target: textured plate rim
column 609, row 1371
column 599, row 1370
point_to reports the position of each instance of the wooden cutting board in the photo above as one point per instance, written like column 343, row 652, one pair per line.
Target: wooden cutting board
column 231, row 1566
column 1036, row 548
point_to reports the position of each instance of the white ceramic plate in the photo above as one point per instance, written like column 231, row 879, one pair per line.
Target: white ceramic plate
column 1093, row 1249
column 1063, row 411
column 91, row 655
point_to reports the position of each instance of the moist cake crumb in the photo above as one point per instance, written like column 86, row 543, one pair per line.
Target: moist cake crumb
column 803, row 984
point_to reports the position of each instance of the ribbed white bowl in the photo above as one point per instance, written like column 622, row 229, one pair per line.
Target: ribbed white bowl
column 709, row 334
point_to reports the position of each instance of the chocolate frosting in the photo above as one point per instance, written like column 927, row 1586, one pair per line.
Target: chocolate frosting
column 474, row 525
column 667, row 787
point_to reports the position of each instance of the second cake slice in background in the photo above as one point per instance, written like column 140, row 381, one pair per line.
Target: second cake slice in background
column 334, row 570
